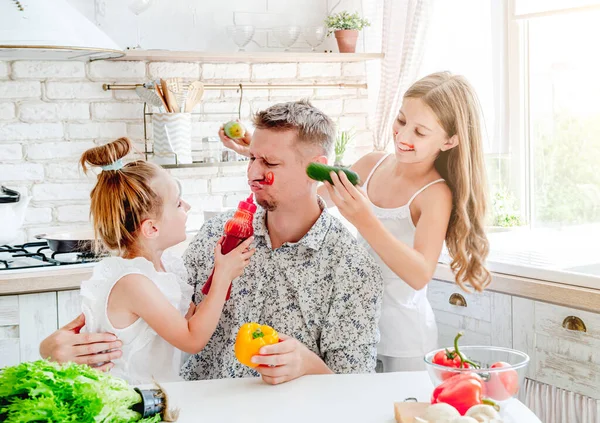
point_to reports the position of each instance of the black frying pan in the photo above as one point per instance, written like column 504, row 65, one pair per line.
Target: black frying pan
column 69, row 242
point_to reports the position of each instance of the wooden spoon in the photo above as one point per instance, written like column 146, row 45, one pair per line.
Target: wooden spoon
column 169, row 97
column 175, row 85
column 195, row 93
column 162, row 98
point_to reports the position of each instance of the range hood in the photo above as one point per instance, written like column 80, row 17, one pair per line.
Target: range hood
column 50, row 30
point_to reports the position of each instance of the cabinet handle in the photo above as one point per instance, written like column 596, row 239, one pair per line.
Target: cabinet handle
column 457, row 300
column 574, row 323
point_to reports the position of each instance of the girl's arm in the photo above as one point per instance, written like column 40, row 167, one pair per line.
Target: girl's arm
column 150, row 304
column 415, row 266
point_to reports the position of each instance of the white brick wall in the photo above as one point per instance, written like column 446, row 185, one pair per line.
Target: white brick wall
column 353, row 69
column 85, row 131
column 195, row 186
column 75, row 91
column 332, row 108
column 73, row 111
column 48, row 70
column 126, row 95
column 230, row 108
column 38, row 112
column 319, row 70
column 356, row 105
column 21, row 172
column 56, row 192
column 237, row 71
column 286, row 95
column 65, row 170
column 325, row 93
column 50, row 112
column 3, row 69
column 31, row 131
column 359, row 123
column 37, row 215
column 117, row 111
column 107, row 70
column 20, row 89
column 234, row 94
column 205, row 202
column 11, row 152
column 278, row 71
column 57, row 150
column 228, row 184
column 73, row 213
column 174, row 70
column 7, row 111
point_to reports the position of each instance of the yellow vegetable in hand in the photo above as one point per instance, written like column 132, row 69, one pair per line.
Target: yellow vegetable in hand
column 250, row 339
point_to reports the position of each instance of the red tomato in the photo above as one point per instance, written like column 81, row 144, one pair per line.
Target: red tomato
column 502, row 385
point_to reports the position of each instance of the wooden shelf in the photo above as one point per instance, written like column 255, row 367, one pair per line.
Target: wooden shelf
column 245, row 56
column 241, row 163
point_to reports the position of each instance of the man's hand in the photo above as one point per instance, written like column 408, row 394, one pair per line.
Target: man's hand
column 287, row 360
column 239, row 146
column 67, row 344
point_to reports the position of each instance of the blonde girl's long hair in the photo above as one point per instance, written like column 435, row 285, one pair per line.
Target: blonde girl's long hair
column 454, row 102
column 123, row 197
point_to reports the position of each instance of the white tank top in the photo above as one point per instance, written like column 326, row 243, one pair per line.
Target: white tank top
column 407, row 324
column 145, row 354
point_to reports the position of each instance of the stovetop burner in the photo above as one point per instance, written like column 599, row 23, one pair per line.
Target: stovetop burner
column 38, row 254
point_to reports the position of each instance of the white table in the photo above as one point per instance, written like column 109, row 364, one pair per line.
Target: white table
column 365, row 398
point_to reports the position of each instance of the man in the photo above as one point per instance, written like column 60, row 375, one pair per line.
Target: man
column 308, row 278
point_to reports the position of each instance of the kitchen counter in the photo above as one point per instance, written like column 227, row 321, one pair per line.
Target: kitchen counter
column 364, row 398
column 535, row 289
column 57, row 278
column 70, row 277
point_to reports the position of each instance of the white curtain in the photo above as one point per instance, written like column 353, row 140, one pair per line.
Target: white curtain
column 555, row 405
column 402, row 25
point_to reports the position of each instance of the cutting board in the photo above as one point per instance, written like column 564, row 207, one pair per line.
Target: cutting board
column 405, row 412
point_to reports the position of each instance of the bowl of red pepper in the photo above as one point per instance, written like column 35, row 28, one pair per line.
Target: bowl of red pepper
column 482, row 373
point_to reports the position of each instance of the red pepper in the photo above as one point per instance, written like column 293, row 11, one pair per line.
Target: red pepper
column 502, row 385
column 461, row 391
column 454, row 359
column 448, row 358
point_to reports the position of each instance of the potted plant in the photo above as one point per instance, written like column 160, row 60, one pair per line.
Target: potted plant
column 345, row 26
column 341, row 143
column 504, row 214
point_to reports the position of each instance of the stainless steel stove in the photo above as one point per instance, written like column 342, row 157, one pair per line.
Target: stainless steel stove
column 38, row 255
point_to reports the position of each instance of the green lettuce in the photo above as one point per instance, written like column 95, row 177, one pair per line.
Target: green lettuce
column 44, row 391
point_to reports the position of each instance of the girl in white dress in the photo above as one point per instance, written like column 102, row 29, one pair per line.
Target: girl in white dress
column 142, row 295
column 430, row 190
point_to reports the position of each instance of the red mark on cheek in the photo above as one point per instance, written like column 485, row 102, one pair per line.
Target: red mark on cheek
column 269, row 179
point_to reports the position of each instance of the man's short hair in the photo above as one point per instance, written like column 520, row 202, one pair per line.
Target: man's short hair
column 312, row 125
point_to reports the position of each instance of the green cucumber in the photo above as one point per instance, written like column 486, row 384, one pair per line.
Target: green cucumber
column 321, row 172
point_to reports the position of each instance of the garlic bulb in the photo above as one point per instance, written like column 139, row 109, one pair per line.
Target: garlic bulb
column 483, row 413
column 464, row 419
column 440, row 412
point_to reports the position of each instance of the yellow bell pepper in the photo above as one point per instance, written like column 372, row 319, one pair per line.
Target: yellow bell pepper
column 250, row 339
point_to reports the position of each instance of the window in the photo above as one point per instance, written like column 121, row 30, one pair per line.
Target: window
column 536, row 68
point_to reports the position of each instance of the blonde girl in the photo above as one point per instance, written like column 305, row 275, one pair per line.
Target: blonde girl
column 431, row 189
